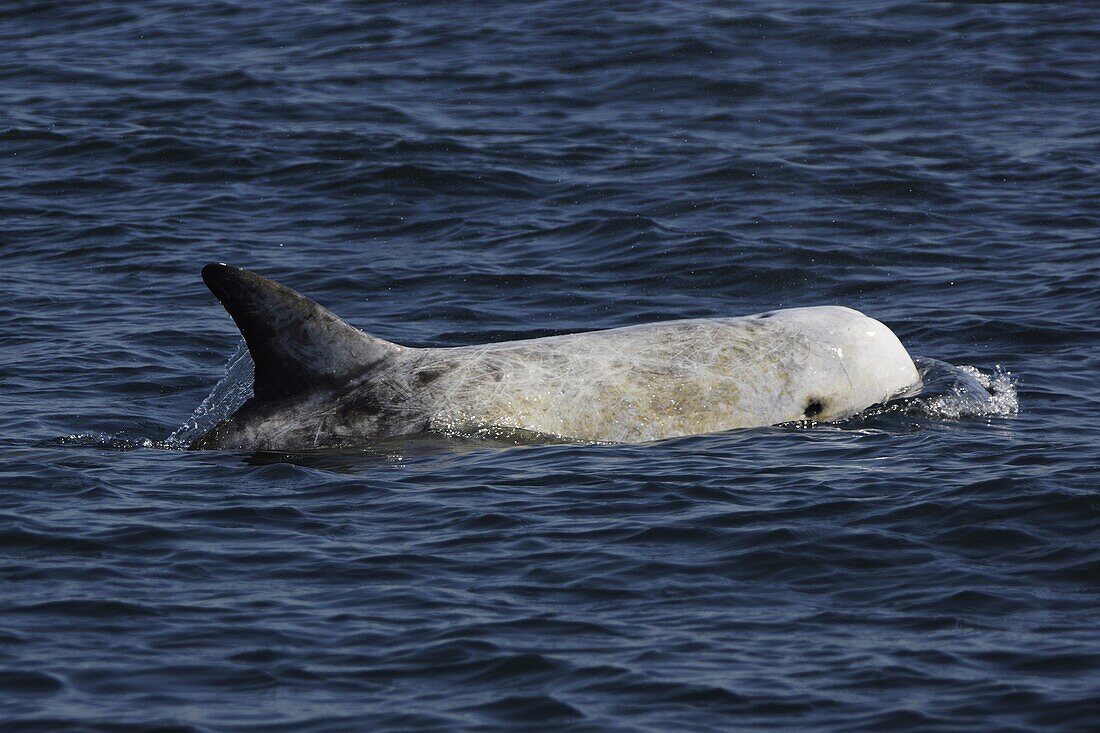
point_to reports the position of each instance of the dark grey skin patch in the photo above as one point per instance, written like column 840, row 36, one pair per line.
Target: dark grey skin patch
column 814, row 408
column 362, row 403
column 427, row 376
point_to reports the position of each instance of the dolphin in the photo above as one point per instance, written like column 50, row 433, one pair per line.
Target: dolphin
column 320, row 382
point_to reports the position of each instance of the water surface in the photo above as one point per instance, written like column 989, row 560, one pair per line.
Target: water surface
column 455, row 173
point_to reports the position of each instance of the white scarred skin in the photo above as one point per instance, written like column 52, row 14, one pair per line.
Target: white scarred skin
column 624, row 385
column 662, row 380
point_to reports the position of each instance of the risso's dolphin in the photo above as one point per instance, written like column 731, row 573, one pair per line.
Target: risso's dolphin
column 323, row 383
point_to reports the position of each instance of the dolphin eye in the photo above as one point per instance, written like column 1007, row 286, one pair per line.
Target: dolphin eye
column 813, row 408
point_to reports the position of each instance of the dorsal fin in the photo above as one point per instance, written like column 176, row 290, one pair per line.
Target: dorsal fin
column 296, row 344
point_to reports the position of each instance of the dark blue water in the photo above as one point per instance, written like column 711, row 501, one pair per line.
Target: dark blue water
column 455, row 173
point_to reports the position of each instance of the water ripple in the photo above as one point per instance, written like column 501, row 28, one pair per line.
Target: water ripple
column 447, row 176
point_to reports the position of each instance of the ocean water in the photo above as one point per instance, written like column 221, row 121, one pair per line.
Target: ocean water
column 456, row 173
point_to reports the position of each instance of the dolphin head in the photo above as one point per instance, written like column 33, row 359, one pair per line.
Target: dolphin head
column 851, row 361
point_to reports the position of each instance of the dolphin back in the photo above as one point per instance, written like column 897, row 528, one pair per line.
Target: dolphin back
column 297, row 345
column 321, row 382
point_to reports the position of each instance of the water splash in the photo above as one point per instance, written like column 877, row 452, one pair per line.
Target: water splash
column 951, row 392
column 231, row 391
column 104, row 441
column 976, row 394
